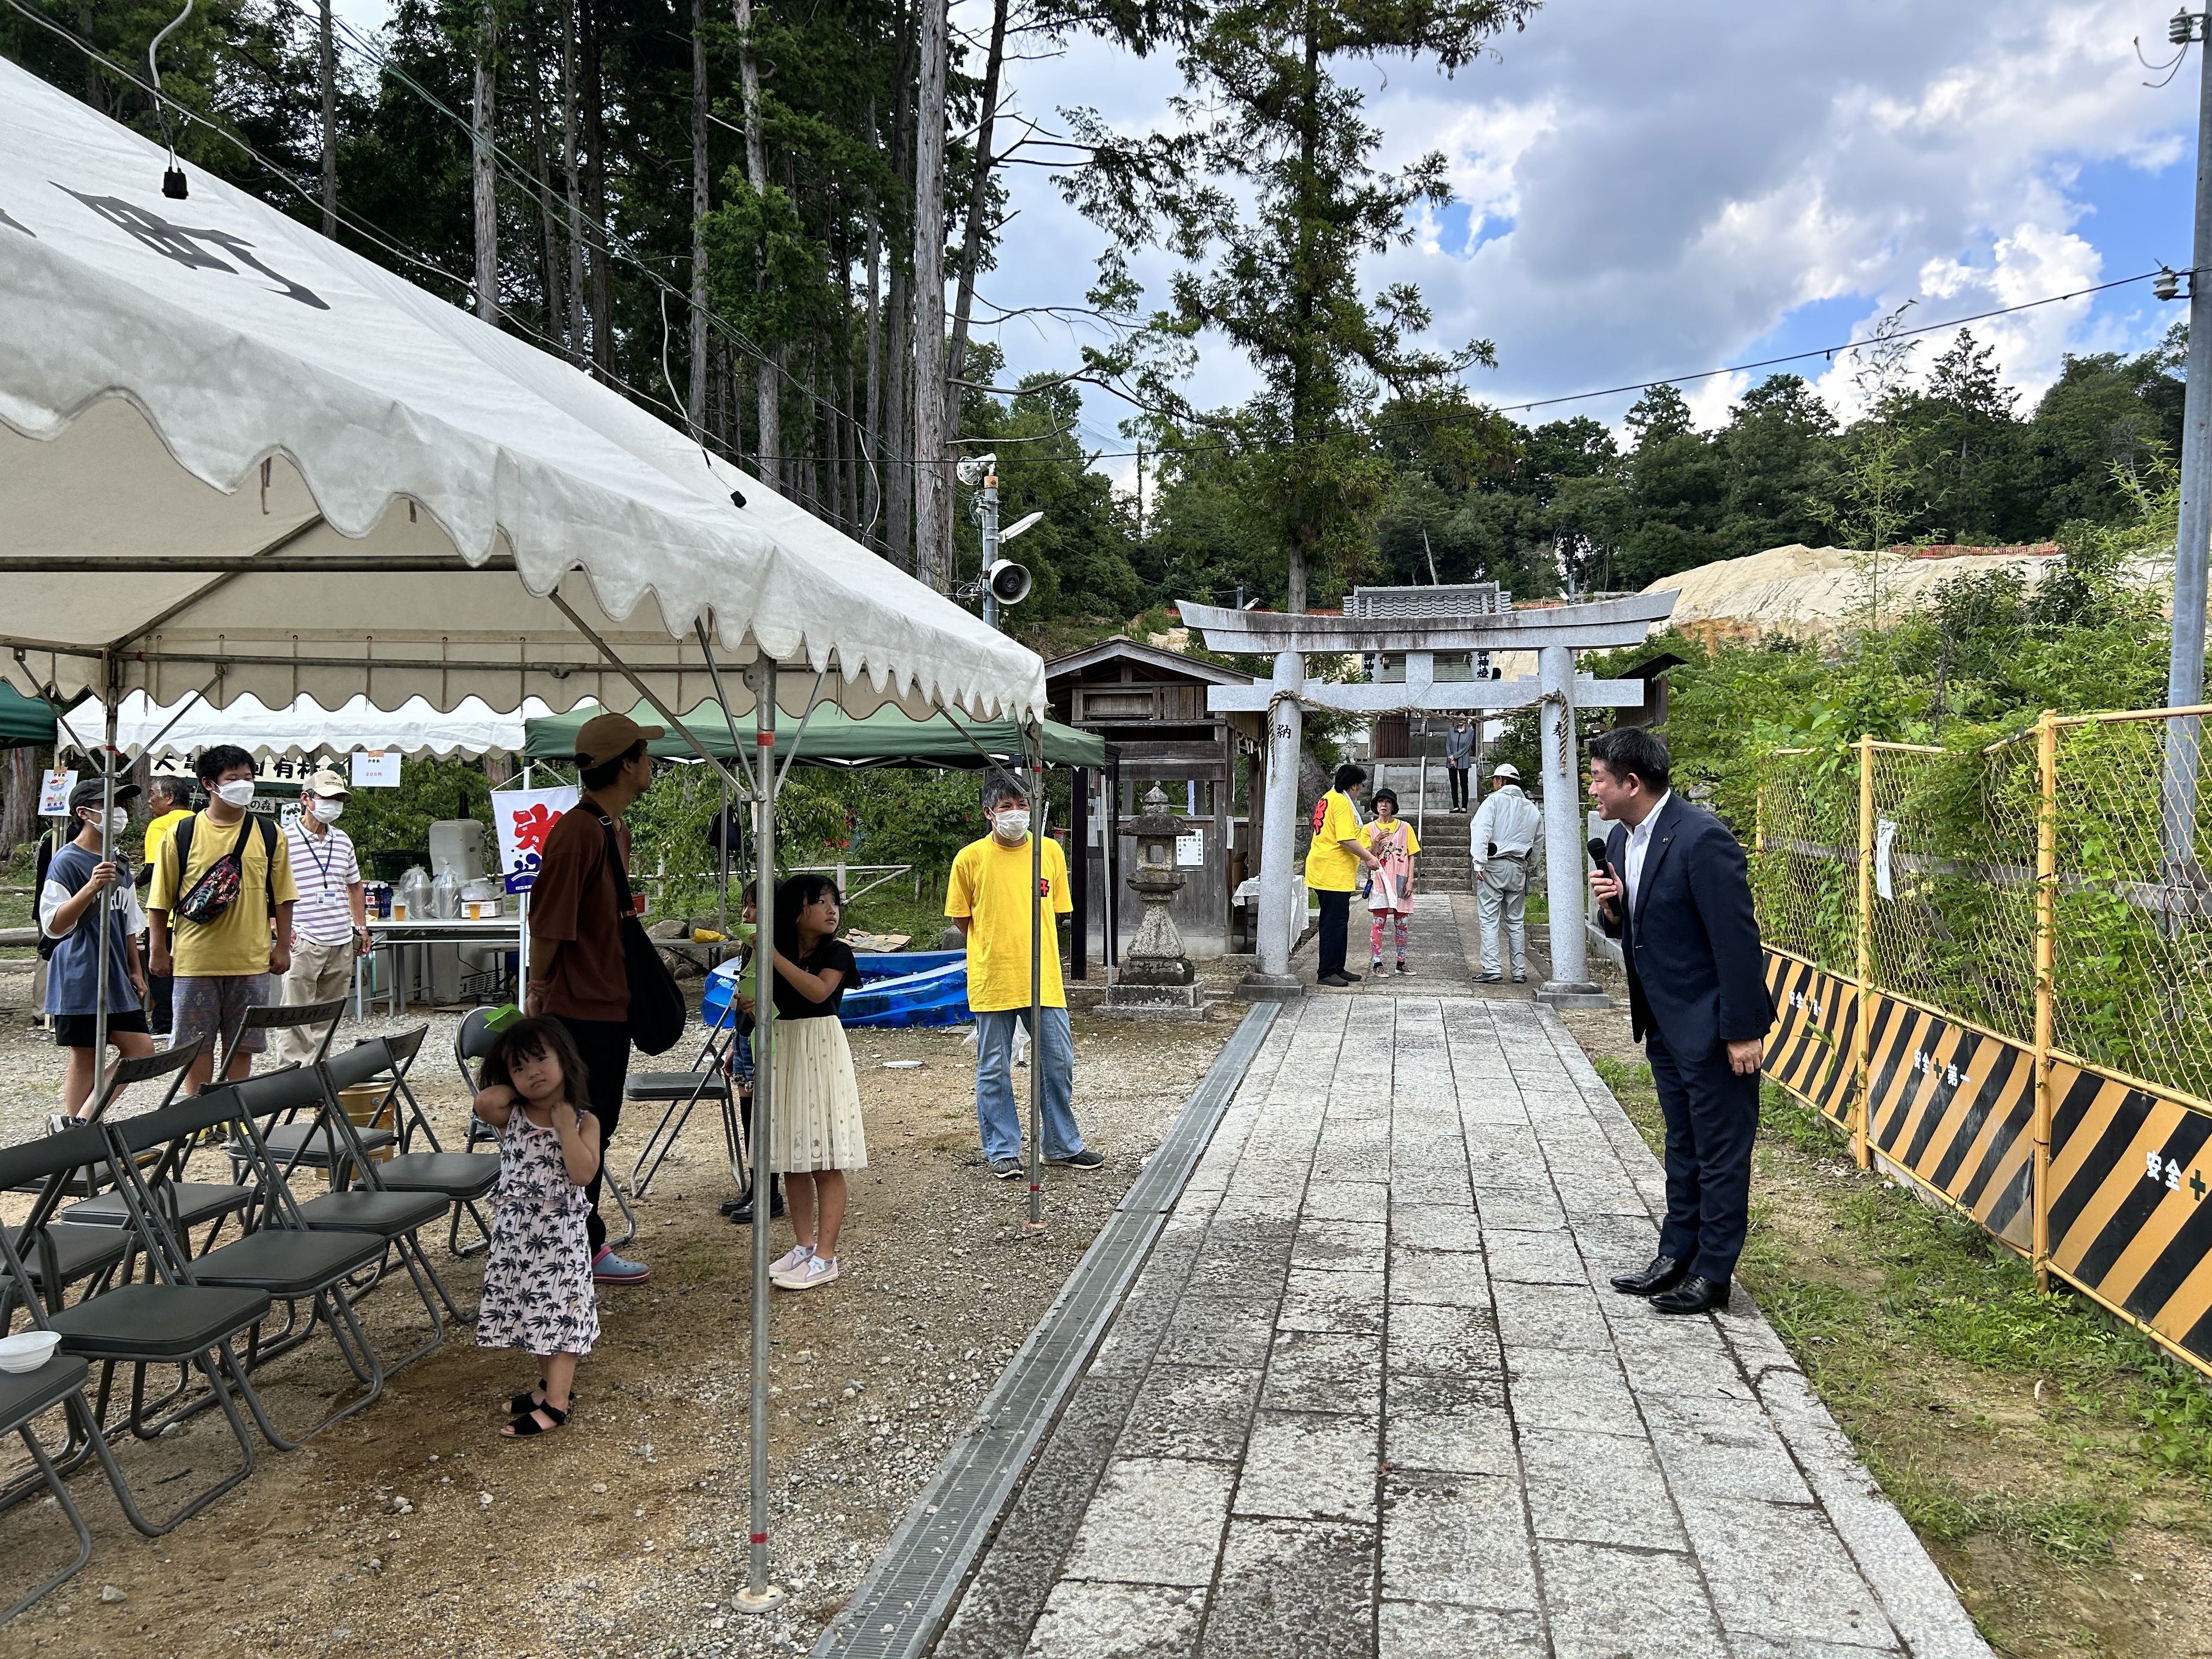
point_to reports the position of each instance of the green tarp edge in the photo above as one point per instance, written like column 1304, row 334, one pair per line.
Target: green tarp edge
column 886, row 737
column 25, row 722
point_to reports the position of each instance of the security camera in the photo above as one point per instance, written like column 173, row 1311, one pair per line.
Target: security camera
column 1010, row 583
column 976, row 468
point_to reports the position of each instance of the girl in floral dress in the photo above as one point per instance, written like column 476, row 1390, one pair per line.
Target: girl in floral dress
column 537, row 1290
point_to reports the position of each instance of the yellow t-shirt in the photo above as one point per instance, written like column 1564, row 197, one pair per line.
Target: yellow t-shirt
column 1329, row 868
column 990, row 885
column 1413, row 840
column 237, row 941
column 157, row 831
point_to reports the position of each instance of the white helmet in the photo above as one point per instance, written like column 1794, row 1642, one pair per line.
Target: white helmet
column 1506, row 769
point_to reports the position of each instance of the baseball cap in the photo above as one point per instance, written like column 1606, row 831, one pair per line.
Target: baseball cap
column 609, row 737
column 1506, row 769
column 90, row 792
column 328, row 781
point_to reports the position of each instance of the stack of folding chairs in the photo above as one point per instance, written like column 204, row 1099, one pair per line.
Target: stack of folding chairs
column 171, row 1290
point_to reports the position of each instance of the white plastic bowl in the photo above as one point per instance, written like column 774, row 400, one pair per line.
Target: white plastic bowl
column 26, row 1350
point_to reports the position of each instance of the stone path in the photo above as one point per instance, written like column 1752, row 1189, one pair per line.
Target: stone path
column 1371, row 1395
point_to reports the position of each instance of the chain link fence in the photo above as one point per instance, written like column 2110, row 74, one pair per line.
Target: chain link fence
column 2131, row 944
column 2019, row 940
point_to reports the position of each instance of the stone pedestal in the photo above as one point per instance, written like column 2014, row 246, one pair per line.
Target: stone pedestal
column 1155, row 979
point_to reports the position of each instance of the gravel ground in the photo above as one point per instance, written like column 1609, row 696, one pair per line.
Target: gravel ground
column 412, row 1527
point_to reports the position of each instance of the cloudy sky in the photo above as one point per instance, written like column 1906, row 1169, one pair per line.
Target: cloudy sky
column 1648, row 190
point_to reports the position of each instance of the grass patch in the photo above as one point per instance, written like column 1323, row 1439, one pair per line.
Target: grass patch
column 2057, row 1460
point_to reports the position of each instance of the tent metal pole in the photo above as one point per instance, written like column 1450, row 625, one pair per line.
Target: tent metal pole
column 1036, row 979
column 104, row 907
column 759, row 1595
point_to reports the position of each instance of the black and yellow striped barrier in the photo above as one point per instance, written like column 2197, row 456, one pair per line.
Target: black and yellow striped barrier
column 2130, row 1174
column 1953, row 1107
column 1811, row 1051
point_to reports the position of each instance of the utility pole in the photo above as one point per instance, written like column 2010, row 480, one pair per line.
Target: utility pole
column 2185, row 681
column 987, row 515
column 328, row 52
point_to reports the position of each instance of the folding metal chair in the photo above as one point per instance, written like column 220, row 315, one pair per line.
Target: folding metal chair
column 63, row 1255
column 290, row 1142
column 281, row 1258
column 193, row 1203
column 22, row 1399
column 369, row 1205
column 473, row 1041
column 165, row 1321
column 709, row 1075
column 465, row 1177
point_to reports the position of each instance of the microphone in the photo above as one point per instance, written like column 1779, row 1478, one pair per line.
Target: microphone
column 1597, row 851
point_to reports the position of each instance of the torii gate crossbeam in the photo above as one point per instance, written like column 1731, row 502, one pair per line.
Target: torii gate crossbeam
column 1554, row 633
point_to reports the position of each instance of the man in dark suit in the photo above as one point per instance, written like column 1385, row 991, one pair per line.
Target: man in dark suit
column 1674, row 892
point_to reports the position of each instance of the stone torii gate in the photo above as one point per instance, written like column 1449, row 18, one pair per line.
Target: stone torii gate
column 1554, row 633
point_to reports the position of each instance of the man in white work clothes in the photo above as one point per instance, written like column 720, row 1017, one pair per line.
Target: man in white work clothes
column 1501, row 842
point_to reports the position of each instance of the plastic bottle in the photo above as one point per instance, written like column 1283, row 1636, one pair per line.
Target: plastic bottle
column 446, row 895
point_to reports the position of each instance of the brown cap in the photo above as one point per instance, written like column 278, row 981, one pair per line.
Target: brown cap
column 327, row 782
column 609, row 737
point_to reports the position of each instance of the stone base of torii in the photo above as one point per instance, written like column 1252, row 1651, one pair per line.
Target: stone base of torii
column 1553, row 633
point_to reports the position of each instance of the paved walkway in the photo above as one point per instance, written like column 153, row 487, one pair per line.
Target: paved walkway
column 1371, row 1395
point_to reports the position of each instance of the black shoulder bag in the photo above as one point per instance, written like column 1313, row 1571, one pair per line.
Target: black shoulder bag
column 657, row 1010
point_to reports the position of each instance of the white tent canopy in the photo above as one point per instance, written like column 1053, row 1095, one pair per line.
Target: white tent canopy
column 305, row 728
column 236, row 458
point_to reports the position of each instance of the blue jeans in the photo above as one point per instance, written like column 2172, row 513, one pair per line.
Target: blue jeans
column 997, row 1115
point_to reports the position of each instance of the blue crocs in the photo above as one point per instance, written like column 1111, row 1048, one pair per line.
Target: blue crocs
column 608, row 1268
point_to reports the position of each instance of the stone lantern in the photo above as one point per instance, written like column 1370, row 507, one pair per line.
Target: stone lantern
column 1155, row 979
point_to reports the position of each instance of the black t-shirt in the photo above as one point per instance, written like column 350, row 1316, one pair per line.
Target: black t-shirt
column 790, row 1003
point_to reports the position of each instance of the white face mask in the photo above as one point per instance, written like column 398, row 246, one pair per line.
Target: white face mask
column 1011, row 826
column 238, row 793
column 118, row 822
column 327, row 810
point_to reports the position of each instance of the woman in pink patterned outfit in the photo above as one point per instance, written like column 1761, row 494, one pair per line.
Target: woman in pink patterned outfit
column 1390, row 897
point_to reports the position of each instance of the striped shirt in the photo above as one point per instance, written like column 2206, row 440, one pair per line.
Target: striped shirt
column 324, row 866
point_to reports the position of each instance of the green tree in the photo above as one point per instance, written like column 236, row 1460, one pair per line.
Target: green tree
column 1266, row 186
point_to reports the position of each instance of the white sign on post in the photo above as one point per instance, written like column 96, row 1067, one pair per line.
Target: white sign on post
column 376, row 769
column 1190, row 851
column 1885, row 832
column 522, row 819
column 54, row 789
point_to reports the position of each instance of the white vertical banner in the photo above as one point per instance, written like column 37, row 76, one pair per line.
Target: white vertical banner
column 1885, row 833
column 522, row 819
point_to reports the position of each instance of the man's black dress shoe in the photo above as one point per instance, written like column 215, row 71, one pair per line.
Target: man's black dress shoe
column 1692, row 1296
column 1663, row 1275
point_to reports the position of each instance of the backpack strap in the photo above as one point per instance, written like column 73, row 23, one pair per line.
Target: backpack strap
column 268, row 859
column 181, row 839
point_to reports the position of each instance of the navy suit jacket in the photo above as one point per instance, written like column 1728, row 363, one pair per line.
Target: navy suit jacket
column 1691, row 945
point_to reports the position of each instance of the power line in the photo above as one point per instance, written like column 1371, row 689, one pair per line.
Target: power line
column 735, row 337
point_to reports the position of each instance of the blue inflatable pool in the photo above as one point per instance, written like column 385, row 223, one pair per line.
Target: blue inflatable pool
column 906, row 988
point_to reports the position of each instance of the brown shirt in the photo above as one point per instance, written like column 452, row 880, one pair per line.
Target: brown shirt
column 575, row 902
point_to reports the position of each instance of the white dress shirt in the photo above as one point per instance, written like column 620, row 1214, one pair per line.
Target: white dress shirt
column 1639, row 842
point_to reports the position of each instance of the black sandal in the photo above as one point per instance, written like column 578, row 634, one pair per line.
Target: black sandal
column 525, row 1423
column 523, row 1404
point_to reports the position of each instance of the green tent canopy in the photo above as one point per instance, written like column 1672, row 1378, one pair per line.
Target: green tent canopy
column 886, row 737
column 25, row 722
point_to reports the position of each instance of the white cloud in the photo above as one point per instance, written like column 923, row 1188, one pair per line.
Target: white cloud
column 1657, row 188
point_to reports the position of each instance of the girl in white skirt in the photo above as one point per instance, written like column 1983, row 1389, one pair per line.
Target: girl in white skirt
column 814, row 1133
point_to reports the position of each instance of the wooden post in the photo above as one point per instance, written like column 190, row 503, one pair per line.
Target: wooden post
column 2046, row 893
column 1859, row 1109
